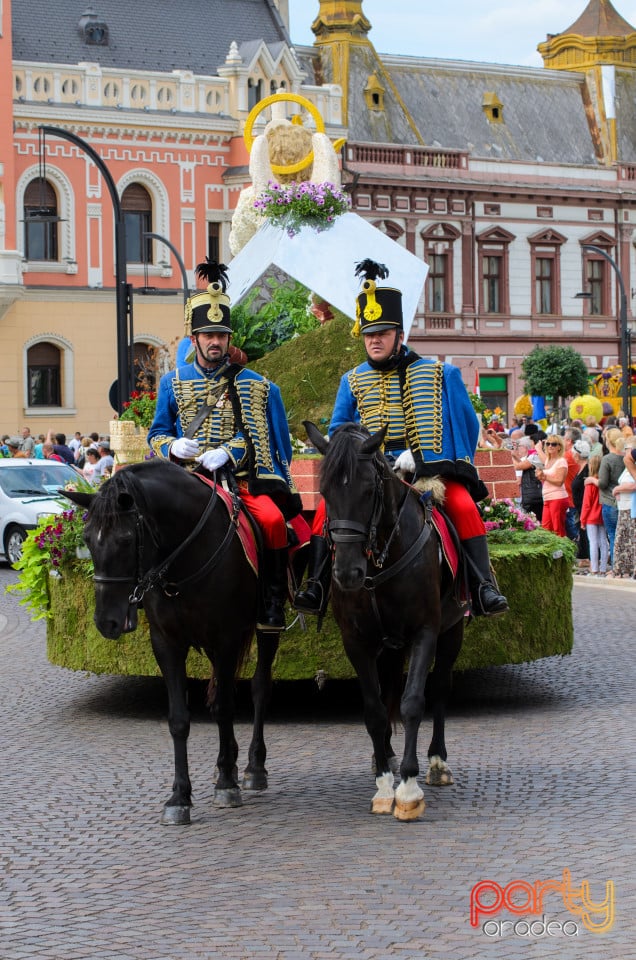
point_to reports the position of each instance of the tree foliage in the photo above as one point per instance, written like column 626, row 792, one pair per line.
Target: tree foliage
column 270, row 316
column 556, row 372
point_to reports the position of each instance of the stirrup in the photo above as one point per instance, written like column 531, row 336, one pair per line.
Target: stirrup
column 272, row 618
column 498, row 604
column 311, row 599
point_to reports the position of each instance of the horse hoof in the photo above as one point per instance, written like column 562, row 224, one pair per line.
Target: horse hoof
column 382, row 805
column 228, row 798
column 408, row 809
column 254, row 780
column 439, row 774
column 175, row 816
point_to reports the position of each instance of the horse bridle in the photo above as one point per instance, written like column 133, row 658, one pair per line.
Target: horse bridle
column 156, row 575
column 350, row 531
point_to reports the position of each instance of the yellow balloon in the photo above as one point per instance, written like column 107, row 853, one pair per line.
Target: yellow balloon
column 586, row 406
column 523, row 406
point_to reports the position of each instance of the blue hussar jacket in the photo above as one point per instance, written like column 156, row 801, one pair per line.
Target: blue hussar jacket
column 427, row 408
column 247, row 419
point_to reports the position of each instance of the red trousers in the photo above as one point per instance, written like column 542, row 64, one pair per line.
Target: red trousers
column 268, row 517
column 553, row 516
column 458, row 504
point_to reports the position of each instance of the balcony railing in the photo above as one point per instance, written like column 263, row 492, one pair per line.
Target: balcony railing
column 399, row 156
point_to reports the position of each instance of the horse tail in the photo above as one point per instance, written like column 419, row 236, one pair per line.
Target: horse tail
column 391, row 664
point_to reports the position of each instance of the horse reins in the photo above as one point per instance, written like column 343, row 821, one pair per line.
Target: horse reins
column 350, row 531
column 156, row 575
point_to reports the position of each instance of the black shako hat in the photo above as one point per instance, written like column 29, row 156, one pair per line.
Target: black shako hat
column 209, row 311
column 377, row 308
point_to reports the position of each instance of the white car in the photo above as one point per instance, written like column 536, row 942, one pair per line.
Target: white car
column 29, row 492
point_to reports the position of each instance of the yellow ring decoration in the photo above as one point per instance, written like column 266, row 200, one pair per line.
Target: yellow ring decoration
column 275, row 98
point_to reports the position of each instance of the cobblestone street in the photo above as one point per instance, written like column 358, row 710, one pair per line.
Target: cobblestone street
column 543, row 759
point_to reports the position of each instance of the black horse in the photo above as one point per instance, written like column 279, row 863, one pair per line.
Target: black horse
column 158, row 534
column 392, row 598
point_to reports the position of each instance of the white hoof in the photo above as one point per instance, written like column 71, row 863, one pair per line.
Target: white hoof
column 383, row 800
column 409, row 800
column 439, row 774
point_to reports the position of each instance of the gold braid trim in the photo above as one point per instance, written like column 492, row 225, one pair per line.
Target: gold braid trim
column 254, row 396
column 423, row 407
column 378, row 399
column 217, row 428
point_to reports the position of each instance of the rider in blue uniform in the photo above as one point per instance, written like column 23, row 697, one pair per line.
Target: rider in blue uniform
column 217, row 413
column 432, row 431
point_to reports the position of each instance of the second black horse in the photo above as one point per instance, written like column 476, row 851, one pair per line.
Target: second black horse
column 393, row 598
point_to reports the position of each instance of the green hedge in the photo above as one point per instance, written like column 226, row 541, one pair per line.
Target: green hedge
column 534, row 571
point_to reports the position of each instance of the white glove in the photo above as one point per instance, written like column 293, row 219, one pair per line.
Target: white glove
column 184, row 448
column 405, row 462
column 213, row 459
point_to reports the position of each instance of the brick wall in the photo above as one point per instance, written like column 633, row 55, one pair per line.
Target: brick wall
column 498, row 473
column 305, row 474
column 494, row 466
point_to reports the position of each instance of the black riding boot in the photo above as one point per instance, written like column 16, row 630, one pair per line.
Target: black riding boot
column 487, row 601
column 274, row 590
column 315, row 596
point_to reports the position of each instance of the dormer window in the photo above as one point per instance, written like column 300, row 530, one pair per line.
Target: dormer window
column 492, row 107
column 374, row 94
column 93, row 30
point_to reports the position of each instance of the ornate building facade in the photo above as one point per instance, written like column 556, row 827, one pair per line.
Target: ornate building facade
column 501, row 178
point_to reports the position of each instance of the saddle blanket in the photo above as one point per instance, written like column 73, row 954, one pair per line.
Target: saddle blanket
column 243, row 527
column 446, row 540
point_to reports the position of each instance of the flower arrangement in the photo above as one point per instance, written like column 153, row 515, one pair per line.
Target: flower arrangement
column 506, row 515
column 140, row 408
column 489, row 415
column 295, row 205
column 54, row 546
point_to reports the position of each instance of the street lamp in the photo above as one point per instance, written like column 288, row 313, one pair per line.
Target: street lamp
column 177, row 256
column 123, row 288
column 624, row 331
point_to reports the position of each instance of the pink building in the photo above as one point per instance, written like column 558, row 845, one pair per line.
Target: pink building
column 499, row 177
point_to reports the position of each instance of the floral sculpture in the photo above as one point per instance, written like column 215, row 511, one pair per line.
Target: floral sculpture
column 285, row 153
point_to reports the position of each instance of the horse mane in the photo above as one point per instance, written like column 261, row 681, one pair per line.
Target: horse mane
column 106, row 507
column 340, row 462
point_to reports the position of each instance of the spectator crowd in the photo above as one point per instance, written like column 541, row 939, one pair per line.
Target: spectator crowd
column 579, row 480
column 91, row 454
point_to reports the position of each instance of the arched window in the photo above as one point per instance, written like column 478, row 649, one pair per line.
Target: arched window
column 136, row 205
column 40, row 221
column 44, row 375
column 439, row 242
column 145, row 366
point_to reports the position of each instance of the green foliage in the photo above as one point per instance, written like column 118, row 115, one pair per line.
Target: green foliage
column 534, row 571
column 51, row 550
column 140, row 408
column 261, row 325
column 308, row 370
column 554, row 371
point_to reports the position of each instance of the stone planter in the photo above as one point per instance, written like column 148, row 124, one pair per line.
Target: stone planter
column 128, row 442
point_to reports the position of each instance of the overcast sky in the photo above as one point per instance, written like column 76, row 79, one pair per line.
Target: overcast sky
column 496, row 31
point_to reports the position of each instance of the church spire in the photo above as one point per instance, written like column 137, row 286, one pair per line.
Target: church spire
column 339, row 20
column 600, row 36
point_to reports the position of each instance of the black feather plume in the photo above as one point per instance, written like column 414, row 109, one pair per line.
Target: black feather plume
column 212, row 271
column 371, row 270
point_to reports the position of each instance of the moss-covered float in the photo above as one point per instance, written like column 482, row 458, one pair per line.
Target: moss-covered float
column 534, row 570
